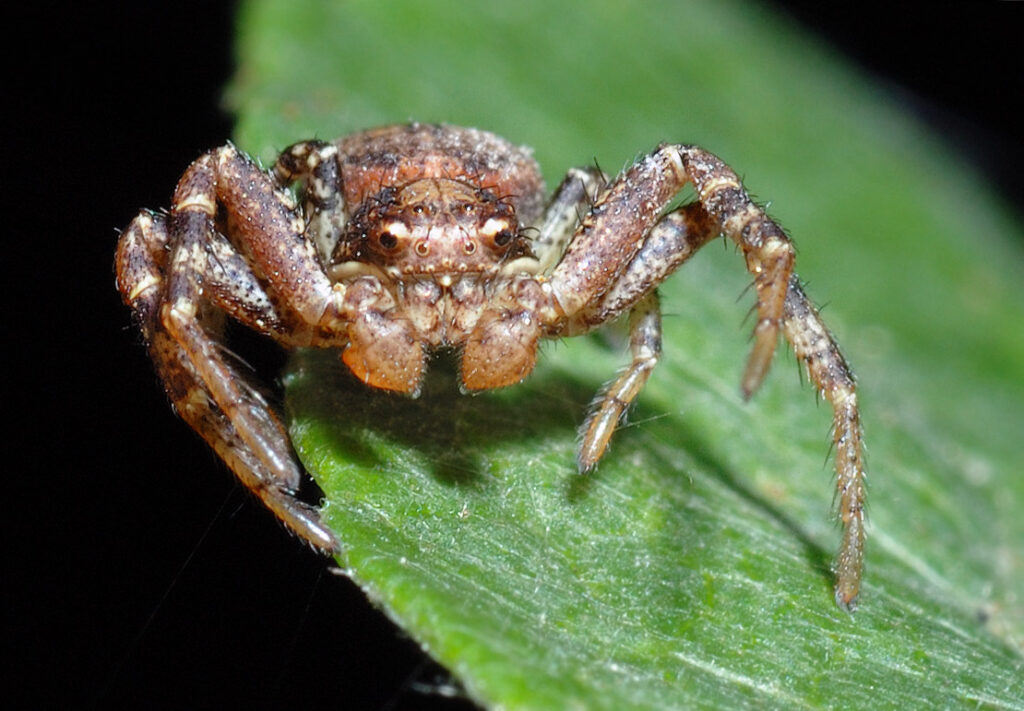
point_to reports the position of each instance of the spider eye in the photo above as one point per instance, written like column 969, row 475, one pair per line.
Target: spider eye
column 387, row 240
column 504, row 237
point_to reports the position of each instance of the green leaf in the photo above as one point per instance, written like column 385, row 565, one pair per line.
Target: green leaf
column 692, row 569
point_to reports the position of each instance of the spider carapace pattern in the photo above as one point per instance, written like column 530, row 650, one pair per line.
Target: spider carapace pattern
column 410, row 238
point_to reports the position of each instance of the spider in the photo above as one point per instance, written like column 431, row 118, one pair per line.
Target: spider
column 410, row 238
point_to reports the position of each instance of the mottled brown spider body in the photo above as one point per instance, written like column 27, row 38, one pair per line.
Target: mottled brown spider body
column 406, row 239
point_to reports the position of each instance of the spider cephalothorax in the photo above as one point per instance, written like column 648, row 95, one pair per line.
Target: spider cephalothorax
column 406, row 239
column 433, row 226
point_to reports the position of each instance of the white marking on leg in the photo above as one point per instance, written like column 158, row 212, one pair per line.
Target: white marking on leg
column 717, row 183
column 197, row 200
column 149, row 281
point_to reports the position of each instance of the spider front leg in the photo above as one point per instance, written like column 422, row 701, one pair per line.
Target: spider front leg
column 670, row 242
column 611, row 404
column 622, row 251
column 815, row 346
column 315, row 164
column 571, row 200
column 179, row 300
column 783, row 304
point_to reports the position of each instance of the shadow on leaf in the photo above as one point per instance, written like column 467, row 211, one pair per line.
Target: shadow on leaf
column 451, row 434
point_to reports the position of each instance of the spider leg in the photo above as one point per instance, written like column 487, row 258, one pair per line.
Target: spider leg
column 179, row 302
column 766, row 248
column 315, row 164
column 616, row 227
column 815, row 346
column 230, row 283
column 611, row 404
column 264, row 224
column 140, row 263
column 215, row 400
column 674, row 239
column 670, row 243
column 782, row 304
column 571, row 201
column 623, row 249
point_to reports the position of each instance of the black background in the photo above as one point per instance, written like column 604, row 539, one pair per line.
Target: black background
column 142, row 575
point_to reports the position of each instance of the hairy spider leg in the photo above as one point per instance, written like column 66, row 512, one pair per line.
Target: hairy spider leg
column 183, row 334
column 621, row 251
column 782, row 303
column 768, row 252
column 572, row 199
column 612, row 402
column 673, row 240
column 315, row 165
column 815, row 346
column 623, row 244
